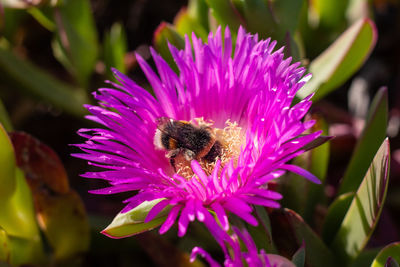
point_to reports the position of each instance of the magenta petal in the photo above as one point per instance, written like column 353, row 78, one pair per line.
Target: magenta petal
column 199, row 251
column 302, row 172
column 173, row 214
column 156, row 210
column 221, row 215
column 247, row 82
column 183, row 221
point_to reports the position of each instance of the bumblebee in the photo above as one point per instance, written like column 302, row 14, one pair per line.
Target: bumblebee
column 184, row 139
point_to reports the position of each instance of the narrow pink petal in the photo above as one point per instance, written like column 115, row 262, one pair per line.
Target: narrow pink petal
column 156, row 210
column 199, row 251
column 183, row 222
column 173, row 214
column 221, row 215
column 302, row 172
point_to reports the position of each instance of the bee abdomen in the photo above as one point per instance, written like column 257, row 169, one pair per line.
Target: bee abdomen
column 214, row 152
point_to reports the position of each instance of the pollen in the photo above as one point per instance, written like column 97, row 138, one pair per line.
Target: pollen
column 231, row 138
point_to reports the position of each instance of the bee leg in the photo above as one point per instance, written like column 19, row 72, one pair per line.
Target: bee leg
column 189, row 155
column 173, row 153
column 172, row 162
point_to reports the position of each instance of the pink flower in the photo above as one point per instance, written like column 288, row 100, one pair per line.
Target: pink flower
column 240, row 96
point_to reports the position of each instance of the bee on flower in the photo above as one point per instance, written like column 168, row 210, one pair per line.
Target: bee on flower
column 210, row 139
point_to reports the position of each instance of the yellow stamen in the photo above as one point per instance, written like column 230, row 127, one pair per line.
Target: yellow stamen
column 231, row 138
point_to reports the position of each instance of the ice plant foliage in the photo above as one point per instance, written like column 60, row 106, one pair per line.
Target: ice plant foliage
column 242, row 94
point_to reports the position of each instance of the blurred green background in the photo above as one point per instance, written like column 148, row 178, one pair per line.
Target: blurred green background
column 53, row 54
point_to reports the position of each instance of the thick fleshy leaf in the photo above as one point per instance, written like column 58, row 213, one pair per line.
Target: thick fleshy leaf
column 11, row 20
column 185, row 24
column 8, row 166
column 365, row 258
column 132, row 222
column 26, row 252
column 334, row 218
column 44, row 16
column 317, row 164
column 258, row 18
column 365, row 209
column 289, row 231
column 287, row 13
column 392, row 250
column 4, row 118
column 76, row 45
column 17, row 216
column 340, row 60
column 198, row 11
column 25, row 76
column 64, row 223
column 371, row 138
column 164, row 34
column 226, row 14
column 301, row 195
column 59, row 209
column 299, row 257
column 19, row 232
column 262, row 234
column 115, row 49
column 5, row 251
column 330, row 13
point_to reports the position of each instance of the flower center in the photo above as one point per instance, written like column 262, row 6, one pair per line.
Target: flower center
column 225, row 146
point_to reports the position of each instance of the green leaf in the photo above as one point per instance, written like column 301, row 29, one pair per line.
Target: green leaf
column 8, row 167
column 287, row 14
column 65, row 225
column 164, row 34
column 43, row 16
column 23, row 75
column 198, row 11
column 17, row 215
column 289, row 231
column 392, row 250
column 365, row 258
column 19, row 234
column 334, row 218
column 226, row 14
column 10, row 21
column 76, row 38
column 331, row 13
column 259, row 18
column 303, row 196
column 262, row 234
column 5, row 251
column 26, row 252
column 299, row 257
column 340, row 60
column 4, row 118
column 59, row 209
column 132, row 222
column 317, row 164
column 365, row 209
column 184, row 24
column 115, row 49
column 368, row 143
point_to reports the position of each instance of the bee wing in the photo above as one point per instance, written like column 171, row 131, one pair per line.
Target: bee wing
column 166, row 123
